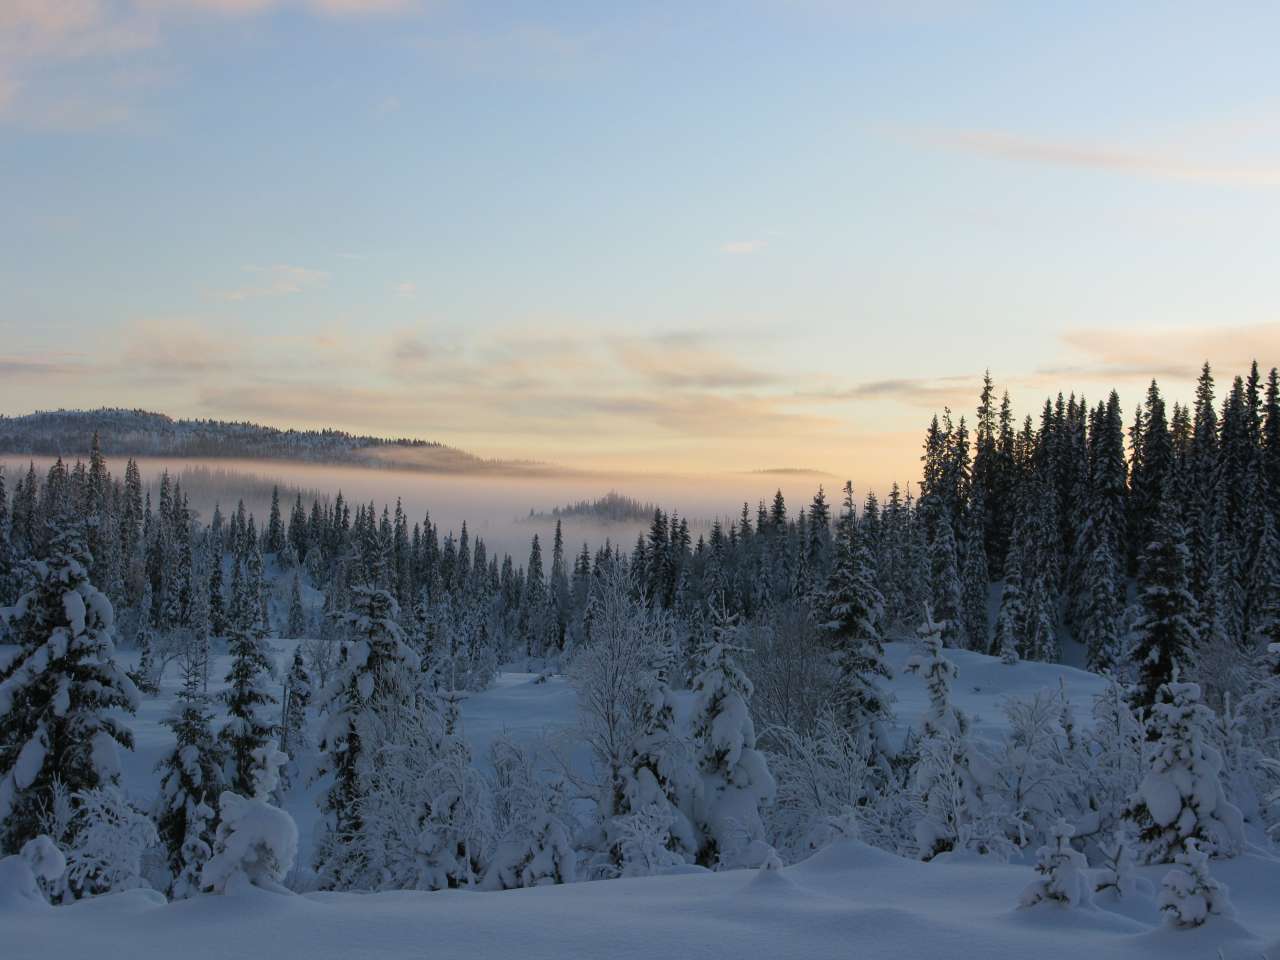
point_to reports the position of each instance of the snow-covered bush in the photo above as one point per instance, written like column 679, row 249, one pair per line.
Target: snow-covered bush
column 953, row 800
column 533, row 845
column 1064, row 873
column 39, row 861
column 1113, row 749
column 1181, row 797
column 822, row 777
column 1189, row 896
column 103, row 838
column 256, row 843
column 1036, row 771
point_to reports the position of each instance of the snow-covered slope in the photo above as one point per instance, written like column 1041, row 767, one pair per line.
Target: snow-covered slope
column 849, row 900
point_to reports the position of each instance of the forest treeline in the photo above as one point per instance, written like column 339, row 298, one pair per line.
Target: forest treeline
column 731, row 686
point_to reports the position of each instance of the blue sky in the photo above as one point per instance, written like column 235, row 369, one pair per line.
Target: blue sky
column 661, row 235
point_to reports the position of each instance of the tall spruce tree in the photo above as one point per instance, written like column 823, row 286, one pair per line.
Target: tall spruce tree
column 61, row 693
column 849, row 612
column 1166, row 631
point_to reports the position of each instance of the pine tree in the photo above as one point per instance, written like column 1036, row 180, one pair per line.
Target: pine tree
column 60, row 693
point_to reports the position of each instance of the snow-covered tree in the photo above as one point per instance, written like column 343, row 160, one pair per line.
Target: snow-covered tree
column 1189, row 896
column 375, row 689
column 247, row 727
column 297, row 698
column 297, row 619
column 1063, row 873
column 61, row 693
column 850, row 611
column 454, row 817
column 1117, row 876
column 1167, row 637
column 937, row 671
column 1181, row 797
column 191, row 777
column 640, row 757
column 953, row 796
column 534, row 846
column 736, row 782
column 256, row 843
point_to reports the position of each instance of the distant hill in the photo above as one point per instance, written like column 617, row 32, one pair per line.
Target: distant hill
column 124, row 432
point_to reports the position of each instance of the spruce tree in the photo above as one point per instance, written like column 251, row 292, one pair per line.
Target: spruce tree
column 191, row 780
column 736, row 783
column 375, row 691
column 1181, row 797
column 849, row 614
column 1166, row 631
column 247, row 728
column 61, row 693
column 297, row 619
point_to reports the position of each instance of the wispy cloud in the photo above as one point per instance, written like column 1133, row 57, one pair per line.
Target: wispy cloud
column 1174, row 352
column 743, row 246
column 1169, row 163
column 106, row 39
column 23, row 367
column 280, row 280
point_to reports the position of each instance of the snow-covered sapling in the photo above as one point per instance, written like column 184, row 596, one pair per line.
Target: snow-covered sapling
column 1063, row 873
column 1188, row 895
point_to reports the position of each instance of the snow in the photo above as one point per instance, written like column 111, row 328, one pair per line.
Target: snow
column 849, row 899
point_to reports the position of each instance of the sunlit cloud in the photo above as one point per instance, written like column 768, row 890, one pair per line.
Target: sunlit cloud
column 1175, row 352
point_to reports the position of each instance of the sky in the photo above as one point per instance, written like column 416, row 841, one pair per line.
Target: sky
column 683, row 237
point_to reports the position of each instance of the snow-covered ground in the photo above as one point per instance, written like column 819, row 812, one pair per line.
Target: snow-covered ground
column 848, row 901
